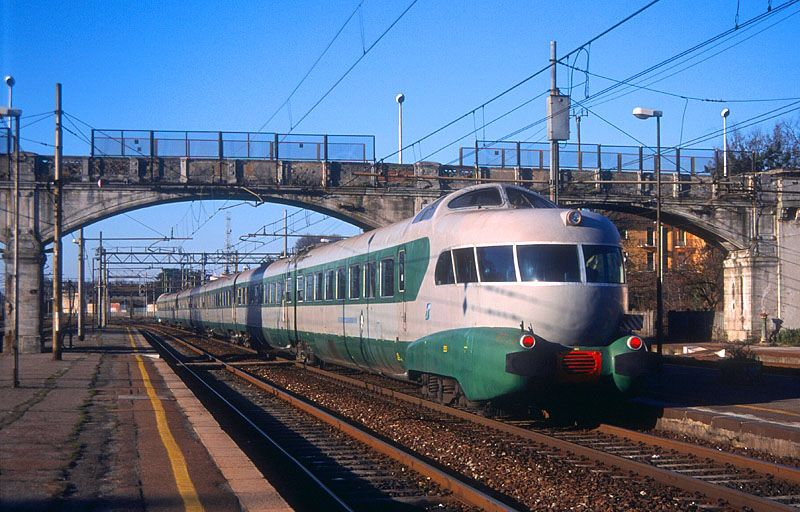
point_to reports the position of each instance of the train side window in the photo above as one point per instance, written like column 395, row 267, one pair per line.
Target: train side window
column 444, row 269
column 520, row 199
column 387, row 277
column 341, row 283
column 466, row 271
column 370, row 278
column 329, row 284
column 300, row 288
column 401, row 271
column 355, row 281
column 288, row 290
column 496, row 264
column 309, row 287
column 318, row 287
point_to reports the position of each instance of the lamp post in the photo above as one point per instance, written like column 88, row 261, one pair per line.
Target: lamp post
column 725, row 113
column 400, row 98
column 15, row 114
column 647, row 113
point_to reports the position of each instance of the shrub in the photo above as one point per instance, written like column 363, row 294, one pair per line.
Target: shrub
column 789, row 337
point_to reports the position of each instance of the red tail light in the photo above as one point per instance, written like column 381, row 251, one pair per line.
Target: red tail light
column 527, row 341
column 635, row 343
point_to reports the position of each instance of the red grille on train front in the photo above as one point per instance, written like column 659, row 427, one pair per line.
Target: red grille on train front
column 581, row 362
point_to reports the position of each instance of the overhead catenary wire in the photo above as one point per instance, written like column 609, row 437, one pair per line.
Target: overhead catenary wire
column 314, row 65
column 353, row 65
column 528, row 78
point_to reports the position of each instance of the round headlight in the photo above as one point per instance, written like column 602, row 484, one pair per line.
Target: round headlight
column 574, row 217
column 527, row 341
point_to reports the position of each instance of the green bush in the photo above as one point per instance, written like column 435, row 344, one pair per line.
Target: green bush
column 789, row 337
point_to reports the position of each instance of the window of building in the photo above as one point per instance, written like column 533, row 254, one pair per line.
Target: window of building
column 444, row 269
column 651, row 261
column 465, row 265
column 549, row 263
column 355, row 281
column 496, row 264
column 387, row 277
column 341, row 283
column 370, row 279
column 651, row 237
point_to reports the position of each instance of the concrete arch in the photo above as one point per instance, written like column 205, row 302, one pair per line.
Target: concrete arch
column 86, row 205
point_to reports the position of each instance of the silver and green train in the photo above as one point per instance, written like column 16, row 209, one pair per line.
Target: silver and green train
column 487, row 292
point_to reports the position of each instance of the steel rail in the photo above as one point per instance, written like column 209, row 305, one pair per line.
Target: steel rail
column 461, row 490
column 712, row 491
column 154, row 339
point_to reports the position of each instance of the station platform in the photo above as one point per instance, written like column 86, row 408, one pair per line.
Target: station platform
column 111, row 427
column 761, row 413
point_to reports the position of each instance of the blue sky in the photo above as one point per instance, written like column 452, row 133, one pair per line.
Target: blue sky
column 229, row 66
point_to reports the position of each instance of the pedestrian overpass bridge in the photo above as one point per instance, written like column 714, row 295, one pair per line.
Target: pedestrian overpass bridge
column 753, row 216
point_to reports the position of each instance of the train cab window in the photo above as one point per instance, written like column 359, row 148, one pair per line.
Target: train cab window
column 387, row 277
column 551, row 263
column 355, row 281
column 603, row 264
column 520, row 199
column 318, row 286
column 466, row 272
column 329, row 284
column 370, row 278
column 401, row 271
column 309, row 287
column 496, row 264
column 341, row 283
column 477, row 199
column 444, row 269
column 300, row 288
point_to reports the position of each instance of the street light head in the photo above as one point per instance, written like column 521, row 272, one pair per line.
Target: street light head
column 9, row 80
column 400, row 98
column 646, row 113
column 725, row 112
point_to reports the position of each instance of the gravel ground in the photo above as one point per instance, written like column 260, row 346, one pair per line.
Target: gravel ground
column 537, row 476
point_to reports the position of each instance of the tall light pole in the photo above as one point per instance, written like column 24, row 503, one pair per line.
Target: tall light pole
column 14, row 113
column 400, row 98
column 647, row 113
column 9, row 80
column 725, row 113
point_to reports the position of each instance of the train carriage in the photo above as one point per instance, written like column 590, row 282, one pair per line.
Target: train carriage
column 482, row 294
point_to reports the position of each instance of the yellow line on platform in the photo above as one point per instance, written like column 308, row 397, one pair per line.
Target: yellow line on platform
column 191, row 502
column 767, row 409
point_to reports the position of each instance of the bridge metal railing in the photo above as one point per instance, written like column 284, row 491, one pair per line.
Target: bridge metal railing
column 6, row 141
column 232, row 145
column 597, row 157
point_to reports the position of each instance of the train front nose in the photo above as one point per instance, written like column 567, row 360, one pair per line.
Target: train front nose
column 577, row 315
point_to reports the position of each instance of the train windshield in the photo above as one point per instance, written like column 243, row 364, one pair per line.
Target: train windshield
column 552, row 263
column 521, row 199
column 603, row 264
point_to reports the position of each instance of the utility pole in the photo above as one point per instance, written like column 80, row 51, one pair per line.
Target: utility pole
column 106, row 293
column 57, row 263
column 81, row 299
column 557, row 124
column 100, row 302
column 286, row 234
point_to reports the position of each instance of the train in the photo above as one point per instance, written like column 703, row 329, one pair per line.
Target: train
column 488, row 292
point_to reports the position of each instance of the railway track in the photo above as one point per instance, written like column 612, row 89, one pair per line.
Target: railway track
column 354, row 468
column 725, row 480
